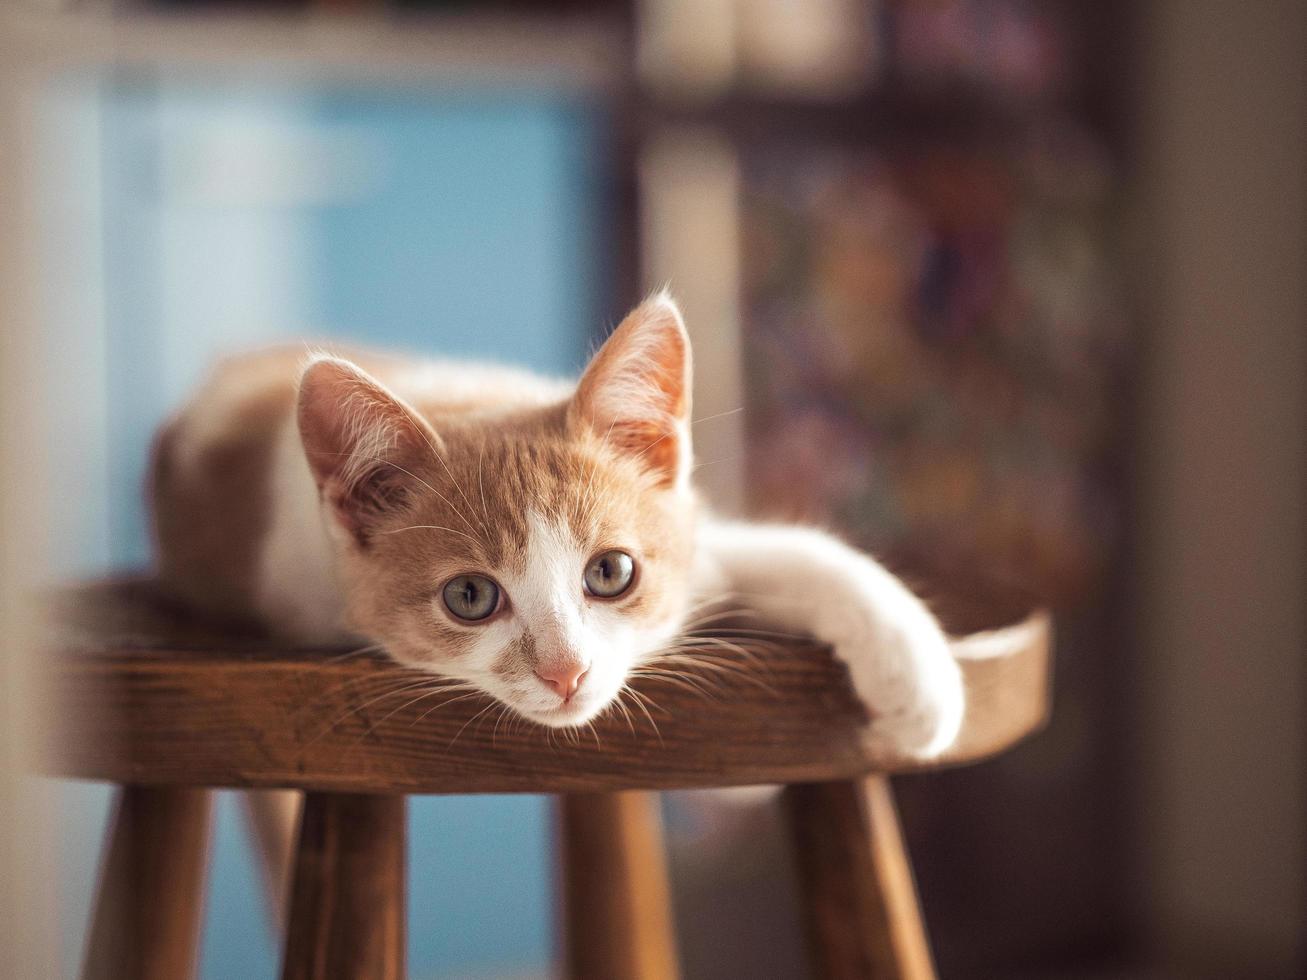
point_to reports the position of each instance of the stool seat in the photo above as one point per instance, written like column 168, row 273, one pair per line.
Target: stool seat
column 145, row 694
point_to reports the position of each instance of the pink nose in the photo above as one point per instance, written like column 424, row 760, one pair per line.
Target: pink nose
column 564, row 679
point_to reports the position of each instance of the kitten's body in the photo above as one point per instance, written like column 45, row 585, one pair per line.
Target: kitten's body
column 500, row 473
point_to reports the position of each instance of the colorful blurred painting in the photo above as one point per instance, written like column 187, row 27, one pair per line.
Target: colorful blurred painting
column 934, row 346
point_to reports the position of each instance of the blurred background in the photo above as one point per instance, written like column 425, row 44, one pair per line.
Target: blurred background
column 1008, row 291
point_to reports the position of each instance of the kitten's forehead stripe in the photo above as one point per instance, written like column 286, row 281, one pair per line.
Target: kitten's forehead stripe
column 491, row 484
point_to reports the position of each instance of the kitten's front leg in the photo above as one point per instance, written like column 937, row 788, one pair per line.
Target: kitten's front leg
column 897, row 655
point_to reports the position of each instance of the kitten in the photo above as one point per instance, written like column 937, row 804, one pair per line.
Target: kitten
column 535, row 539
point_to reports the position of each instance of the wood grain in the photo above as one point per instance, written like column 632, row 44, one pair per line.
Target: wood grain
column 859, row 901
column 347, row 915
column 146, row 924
column 617, row 919
column 144, row 694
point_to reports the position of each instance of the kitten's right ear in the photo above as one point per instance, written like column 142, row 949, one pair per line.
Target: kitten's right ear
column 636, row 392
column 363, row 444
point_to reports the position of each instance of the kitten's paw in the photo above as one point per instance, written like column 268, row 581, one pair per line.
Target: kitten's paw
column 911, row 686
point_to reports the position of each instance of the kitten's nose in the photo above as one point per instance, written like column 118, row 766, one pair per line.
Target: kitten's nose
column 563, row 678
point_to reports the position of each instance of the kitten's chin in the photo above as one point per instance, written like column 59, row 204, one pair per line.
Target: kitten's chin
column 565, row 715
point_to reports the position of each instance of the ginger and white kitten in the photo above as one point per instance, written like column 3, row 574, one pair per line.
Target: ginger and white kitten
column 535, row 539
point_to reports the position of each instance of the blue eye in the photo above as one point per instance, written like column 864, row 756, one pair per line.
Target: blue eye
column 471, row 597
column 610, row 574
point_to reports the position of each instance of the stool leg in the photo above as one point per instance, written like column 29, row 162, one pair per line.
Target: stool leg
column 860, row 903
column 146, row 924
column 616, row 907
column 347, row 894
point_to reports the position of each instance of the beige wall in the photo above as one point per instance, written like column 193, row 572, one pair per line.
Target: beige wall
column 26, row 873
column 1224, row 694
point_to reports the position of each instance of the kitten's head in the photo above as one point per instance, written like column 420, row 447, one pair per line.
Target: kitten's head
column 538, row 554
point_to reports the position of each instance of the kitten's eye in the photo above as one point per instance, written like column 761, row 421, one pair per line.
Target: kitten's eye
column 471, row 597
column 610, row 574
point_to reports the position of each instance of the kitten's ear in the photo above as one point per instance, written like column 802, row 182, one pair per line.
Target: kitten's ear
column 636, row 392
column 363, row 444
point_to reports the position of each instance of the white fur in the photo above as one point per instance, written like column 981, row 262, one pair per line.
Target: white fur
column 898, row 657
column 550, row 603
column 468, row 381
column 297, row 586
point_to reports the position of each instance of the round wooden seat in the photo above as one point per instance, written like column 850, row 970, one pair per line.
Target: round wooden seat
column 146, row 695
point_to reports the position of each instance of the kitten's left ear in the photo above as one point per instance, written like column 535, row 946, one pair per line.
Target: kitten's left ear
column 636, row 392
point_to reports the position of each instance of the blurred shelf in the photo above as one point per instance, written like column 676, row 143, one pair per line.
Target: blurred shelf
column 581, row 53
column 886, row 110
column 587, row 53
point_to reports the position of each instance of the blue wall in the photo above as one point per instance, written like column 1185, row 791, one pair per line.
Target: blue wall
column 437, row 221
column 485, row 247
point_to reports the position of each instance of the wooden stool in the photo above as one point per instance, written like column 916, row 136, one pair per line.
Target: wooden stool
column 167, row 708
